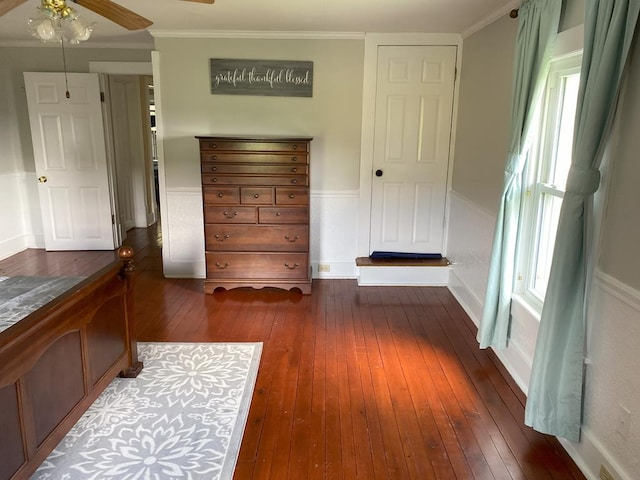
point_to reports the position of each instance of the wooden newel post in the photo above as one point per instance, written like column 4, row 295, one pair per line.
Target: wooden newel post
column 125, row 254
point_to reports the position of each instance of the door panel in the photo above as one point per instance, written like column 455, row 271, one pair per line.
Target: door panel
column 414, row 104
column 70, row 160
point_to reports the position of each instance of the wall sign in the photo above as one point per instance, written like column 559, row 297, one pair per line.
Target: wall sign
column 280, row 78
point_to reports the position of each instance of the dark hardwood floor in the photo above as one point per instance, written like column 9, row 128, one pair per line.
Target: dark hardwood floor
column 354, row 382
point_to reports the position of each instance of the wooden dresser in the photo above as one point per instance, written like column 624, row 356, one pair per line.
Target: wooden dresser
column 255, row 194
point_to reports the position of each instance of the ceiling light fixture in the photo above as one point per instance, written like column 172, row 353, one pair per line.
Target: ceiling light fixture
column 58, row 23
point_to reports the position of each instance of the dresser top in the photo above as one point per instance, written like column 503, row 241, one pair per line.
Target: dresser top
column 257, row 138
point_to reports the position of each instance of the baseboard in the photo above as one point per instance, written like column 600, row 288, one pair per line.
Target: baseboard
column 334, row 270
column 11, row 246
column 469, row 302
column 590, row 454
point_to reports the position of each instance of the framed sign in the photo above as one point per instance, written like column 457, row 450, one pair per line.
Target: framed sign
column 279, row 78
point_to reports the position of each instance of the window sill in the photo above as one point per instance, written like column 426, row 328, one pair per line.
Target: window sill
column 522, row 306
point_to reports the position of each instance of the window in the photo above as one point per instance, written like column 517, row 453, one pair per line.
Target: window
column 546, row 178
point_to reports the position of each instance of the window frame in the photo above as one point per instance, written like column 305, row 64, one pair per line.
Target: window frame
column 540, row 160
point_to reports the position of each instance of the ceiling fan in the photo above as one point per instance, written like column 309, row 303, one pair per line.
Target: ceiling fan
column 106, row 8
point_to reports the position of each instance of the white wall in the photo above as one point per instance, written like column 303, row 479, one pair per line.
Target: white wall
column 612, row 380
column 332, row 117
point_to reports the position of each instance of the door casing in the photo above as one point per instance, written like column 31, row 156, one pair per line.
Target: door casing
column 372, row 42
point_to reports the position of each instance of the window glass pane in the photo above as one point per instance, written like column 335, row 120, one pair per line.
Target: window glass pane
column 564, row 139
column 549, row 214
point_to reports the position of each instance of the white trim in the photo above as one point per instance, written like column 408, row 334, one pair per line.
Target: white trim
column 488, row 20
column 121, row 68
column 590, row 453
column 403, row 276
column 371, row 44
column 335, row 193
column 467, row 299
column 618, row 289
column 569, row 42
column 256, row 34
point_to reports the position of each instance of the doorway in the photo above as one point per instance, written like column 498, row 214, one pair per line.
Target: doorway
column 398, row 203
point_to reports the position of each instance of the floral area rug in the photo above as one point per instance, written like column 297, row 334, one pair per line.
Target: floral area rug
column 182, row 418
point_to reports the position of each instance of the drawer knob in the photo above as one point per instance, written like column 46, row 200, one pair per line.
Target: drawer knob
column 291, row 195
column 294, row 180
column 294, row 169
column 295, row 147
column 277, row 214
column 288, row 238
column 222, row 266
column 230, row 215
column 214, row 169
column 220, row 195
column 256, row 195
column 221, row 239
column 294, row 159
column 292, row 267
column 213, row 145
column 214, row 157
column 214, row 180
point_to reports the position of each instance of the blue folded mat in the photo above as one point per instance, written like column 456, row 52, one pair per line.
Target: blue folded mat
column 412, row 256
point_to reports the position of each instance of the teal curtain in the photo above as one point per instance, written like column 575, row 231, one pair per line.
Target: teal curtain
column 537, row 30
column 554, row 403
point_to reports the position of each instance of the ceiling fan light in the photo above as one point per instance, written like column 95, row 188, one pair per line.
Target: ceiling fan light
column 44, row 29
column 76, row 32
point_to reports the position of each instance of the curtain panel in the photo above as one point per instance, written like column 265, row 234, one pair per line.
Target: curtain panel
column 554, row 403
column 537, row 31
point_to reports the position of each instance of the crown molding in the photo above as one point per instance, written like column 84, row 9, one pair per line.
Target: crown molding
column 489, row 19
column 256, row 34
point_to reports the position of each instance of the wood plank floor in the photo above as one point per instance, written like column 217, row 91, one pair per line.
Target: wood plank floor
column 354, row 382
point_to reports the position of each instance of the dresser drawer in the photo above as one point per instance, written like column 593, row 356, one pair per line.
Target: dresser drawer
column 283, row 215
column 261, row 146
column 215, row 179
column 253, row 169
column 256, row 238
column 277, row 266
column 256, row 195
column 221, row 195
column 292, row 196
column 229, row 214
column 301, row 158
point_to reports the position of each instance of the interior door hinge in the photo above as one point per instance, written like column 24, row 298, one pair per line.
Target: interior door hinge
column 455, row 74
column 102, row 97
column 113, row 219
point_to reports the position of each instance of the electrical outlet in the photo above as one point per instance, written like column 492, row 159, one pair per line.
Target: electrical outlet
column 324, row 267
column 624, row 419
column 604, row 473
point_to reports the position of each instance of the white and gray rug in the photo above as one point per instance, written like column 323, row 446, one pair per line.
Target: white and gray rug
column 21, row 295
column 182, row 418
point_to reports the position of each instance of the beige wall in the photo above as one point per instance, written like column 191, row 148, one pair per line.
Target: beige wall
column 483, row 113
column 332, row 116
column 621, row 228
column 484, row 108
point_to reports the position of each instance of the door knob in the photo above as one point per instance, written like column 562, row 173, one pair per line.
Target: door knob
column 42, row 179
column 379, row 173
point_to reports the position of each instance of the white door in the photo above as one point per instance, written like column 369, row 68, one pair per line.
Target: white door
column 124, row 102
column 70, row 160
column 414, row 104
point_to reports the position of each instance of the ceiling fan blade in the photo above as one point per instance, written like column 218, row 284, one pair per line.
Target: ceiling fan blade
column 117, row 14
column 7, row 5
column 200, row 1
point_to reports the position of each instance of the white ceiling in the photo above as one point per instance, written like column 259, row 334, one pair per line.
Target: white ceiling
column 381, row 16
